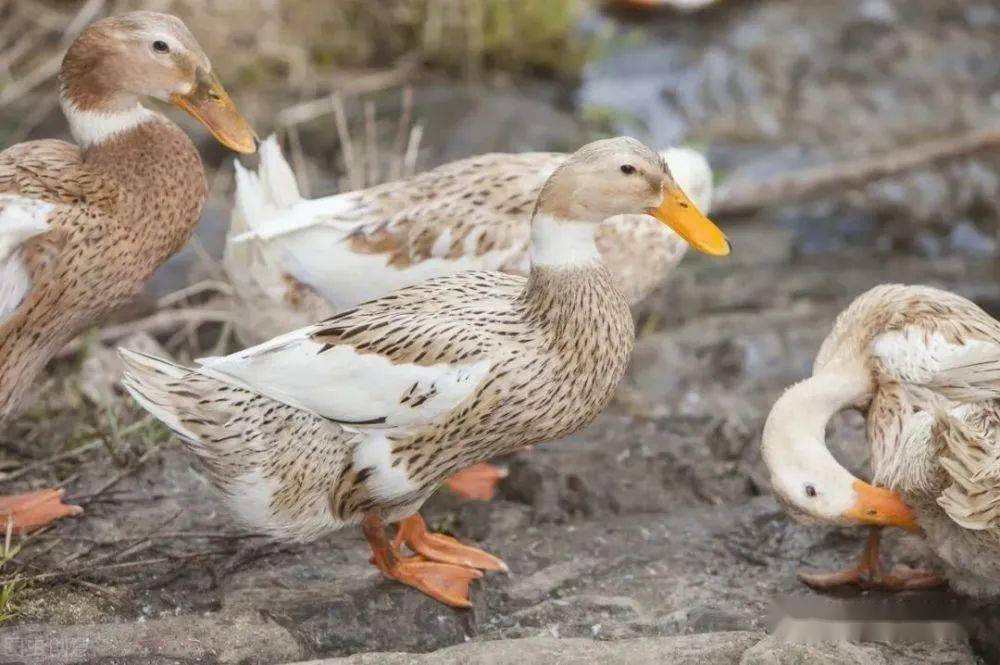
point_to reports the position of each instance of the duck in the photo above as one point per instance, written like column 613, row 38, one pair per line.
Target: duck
column 84, row 225
column 357, row 419
column 923, row 364
column 292, row 260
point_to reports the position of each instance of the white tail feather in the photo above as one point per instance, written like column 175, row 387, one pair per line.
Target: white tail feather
column 276, row 176
column 261, row 197
column 145, row 379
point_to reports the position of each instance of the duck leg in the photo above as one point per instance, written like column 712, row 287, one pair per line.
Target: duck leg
column 33, row 510
column 868, row 573
column 478, row 482
column 444, row 582
column 439, row 547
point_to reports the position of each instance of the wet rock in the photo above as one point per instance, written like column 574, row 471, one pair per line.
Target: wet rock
column 965, row 238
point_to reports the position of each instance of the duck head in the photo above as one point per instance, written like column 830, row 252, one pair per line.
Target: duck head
column 621, row 176
column 812, row 485
column 117, row 61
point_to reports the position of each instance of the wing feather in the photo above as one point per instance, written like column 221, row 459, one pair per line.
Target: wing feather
column 21, row 219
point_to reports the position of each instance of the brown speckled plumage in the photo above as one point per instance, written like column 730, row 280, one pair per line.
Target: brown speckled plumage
column 83, row 227
column 497, row 192
column 122, row 208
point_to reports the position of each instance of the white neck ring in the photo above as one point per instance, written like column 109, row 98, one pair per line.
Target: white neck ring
column 92, row 127
column 561, row 242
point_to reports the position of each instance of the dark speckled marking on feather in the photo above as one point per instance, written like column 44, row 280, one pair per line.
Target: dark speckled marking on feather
column 123, row 208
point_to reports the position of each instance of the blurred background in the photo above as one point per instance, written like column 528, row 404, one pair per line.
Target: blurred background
column 765, row 88
column 853, row 143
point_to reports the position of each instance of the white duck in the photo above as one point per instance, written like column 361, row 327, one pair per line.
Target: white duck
column 293, row 261
column 925, row 366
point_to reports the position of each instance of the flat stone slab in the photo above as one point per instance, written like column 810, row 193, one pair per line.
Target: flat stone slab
column 722, row 648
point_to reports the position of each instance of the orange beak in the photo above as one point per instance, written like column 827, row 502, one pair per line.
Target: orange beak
column 211, row 105
column 680, row 214
column 877, row 506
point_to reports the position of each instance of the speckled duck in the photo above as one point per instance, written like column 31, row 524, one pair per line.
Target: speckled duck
column 359, row 418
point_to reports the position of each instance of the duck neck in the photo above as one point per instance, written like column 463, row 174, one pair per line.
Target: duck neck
column 568, row 285
column 563, row 243
column 795, row 431
column 92, row 127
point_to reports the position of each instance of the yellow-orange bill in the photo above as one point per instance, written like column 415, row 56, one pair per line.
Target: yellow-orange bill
column 680, row 214
column 209, row 102
column 877, row 506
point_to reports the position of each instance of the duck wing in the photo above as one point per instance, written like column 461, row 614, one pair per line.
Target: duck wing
column 43, row 186
column 402, row 360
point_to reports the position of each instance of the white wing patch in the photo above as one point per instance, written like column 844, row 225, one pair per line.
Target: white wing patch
column 362, row 389
column 20, row 219
column 385, row 482
column 967, row 371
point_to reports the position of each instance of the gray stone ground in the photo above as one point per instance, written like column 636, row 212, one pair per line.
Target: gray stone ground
column 651, row 536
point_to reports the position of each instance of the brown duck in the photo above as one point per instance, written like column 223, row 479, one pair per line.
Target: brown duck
column 83, row 226
column 359, row 418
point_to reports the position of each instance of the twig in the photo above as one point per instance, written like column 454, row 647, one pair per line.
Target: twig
column 155, row 324
column 79, row 450
column 371, row 145
column 118, row 566
column 299, row 160
column 354, row 176
column 206, row 285
column 412, row 149
column 165, row 535
column 347, row 84
column 747, row 197
column 110, row 594
column 403, row 130
column 48, row 69
column 90, row 498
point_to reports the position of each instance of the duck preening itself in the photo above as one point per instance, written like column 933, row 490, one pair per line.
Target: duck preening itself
column 359, row 418
column 84, row 225
column 924, row 365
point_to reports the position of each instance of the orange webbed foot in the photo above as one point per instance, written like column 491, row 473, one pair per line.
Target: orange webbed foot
column 443, row 582
column 868, row 573
column 478, row 482
column 825, row 581
column 441, row 548
column 33, row 510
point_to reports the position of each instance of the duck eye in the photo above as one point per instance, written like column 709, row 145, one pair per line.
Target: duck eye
column 161, row 46
column 628, row 169
column 810, row 491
